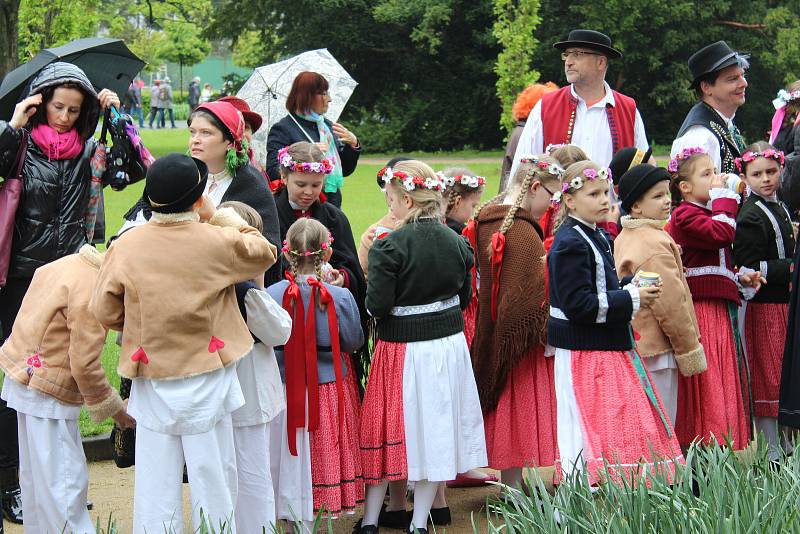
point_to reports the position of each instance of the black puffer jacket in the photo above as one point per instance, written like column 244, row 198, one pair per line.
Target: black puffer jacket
column 49, row 223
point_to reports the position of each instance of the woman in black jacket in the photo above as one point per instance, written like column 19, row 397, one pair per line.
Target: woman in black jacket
column 57, row 121
column 307, row 103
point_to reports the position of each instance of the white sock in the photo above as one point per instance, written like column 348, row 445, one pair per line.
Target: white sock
column 424, row 493
column 373, row 502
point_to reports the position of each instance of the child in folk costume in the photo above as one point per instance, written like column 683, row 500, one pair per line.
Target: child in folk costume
column 462, row 195
column 52, row 365
column 315, row 451
column 667, row 329
column 303, row 170
column 181, row 337
column 421, row 416
column 382, row 226
column 565, row 155
column 260, row 380
column 711, row 405
column 515, row 379
column 598, row 374
column 765, row 241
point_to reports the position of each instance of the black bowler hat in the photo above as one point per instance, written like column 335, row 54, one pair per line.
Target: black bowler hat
column 637, row 181
column 175, row 182
column 589, row 39
column 712, row 58
column 625, row 158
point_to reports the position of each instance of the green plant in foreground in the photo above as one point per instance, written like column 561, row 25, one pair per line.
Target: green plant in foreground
column 736, row 494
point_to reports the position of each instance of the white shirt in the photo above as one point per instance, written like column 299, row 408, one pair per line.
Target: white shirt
column 590, row 132
column 33, row 402
column 701, row 136
column 258, row 372
column 223, row 181
column 190, row 405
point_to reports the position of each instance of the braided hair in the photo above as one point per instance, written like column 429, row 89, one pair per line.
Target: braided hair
column 307, row 241
column 458, row 190
column 526, row 174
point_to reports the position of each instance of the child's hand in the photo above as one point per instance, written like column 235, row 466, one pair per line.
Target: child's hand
column 336, row 278
column 717, row 182
column 207, row 209
column 753, row 280
column 648, row 295
column 122, row 419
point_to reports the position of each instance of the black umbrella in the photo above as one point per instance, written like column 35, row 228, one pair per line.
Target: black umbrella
column 108, row 63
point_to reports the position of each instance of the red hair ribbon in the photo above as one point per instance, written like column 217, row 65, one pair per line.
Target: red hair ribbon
column 498, row 247
column 470, row 231
column 298, row 370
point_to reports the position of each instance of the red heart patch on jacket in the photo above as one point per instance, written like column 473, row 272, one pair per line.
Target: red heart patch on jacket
column 215, row 344
column 636, row 336
column 140, row 356
column 35, row 361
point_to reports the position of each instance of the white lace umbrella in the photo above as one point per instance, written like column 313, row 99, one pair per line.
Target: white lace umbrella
column 268, row 87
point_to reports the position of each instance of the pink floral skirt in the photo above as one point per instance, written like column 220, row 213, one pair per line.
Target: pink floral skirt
column 765, row 337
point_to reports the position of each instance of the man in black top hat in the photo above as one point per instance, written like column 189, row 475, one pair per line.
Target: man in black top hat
column 587, row 112
column 718, row 79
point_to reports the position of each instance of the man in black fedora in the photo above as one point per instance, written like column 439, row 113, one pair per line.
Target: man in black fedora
column 718, row 79
column 587, row 112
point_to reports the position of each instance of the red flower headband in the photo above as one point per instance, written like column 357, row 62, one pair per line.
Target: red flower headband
column 306, row 253
column 315, row 167
column 411, row 182
column 749, row 156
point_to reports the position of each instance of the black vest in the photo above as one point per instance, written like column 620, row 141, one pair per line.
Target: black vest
column 704, row 115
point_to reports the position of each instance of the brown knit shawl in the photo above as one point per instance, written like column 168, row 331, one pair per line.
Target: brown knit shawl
column 522, row 306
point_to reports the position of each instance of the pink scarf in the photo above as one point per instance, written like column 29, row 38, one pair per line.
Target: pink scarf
column 57, row 146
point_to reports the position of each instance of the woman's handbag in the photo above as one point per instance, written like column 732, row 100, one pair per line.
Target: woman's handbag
column 10, row 192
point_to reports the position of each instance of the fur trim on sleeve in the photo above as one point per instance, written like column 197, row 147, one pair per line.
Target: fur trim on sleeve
column 692, row 362
column 227, row 217
column 106, row 408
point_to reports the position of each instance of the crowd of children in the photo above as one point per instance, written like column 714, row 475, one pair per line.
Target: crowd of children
column 509, row 334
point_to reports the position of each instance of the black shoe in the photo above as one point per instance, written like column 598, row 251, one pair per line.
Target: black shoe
column 369, row 529
column 12, row 505
column 397, row 519
column 89, row 505
column 441, row 516
column 414, row 530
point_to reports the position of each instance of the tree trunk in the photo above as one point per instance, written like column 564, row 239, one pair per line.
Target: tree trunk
column 9, row 18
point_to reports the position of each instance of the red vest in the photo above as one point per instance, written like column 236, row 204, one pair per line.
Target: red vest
column 558, row 108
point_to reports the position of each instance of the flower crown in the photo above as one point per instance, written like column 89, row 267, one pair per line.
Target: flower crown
column 473, row 182
column 552, row 168
column 784, row 97
column 325, row 245
column 684, row 154
column 315, row 167
column 579, row 181
column 411, row 182
column 749, row 156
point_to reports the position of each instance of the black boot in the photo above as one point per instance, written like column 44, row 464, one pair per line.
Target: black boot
column 12, row 505
column 441, row 516
column 368, row 529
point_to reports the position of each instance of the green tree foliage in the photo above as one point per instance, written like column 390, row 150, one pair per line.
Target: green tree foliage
column 425, row 68
column 49, row 23
column 183, row 45
column 515, row 22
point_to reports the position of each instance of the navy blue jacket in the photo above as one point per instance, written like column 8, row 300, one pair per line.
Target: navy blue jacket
column 588, row 310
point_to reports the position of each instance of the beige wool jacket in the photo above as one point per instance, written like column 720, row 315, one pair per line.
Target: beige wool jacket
column 168, row 287
column 669, row 323
column 56, row 342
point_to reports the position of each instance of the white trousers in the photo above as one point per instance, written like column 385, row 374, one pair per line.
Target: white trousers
column 569, row 430
column 665, row 382
column 291, row 475
column 255, row 502
column 211, row 465
column 53, row 476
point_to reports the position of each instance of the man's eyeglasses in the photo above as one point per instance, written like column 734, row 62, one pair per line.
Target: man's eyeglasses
column 577, row 54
